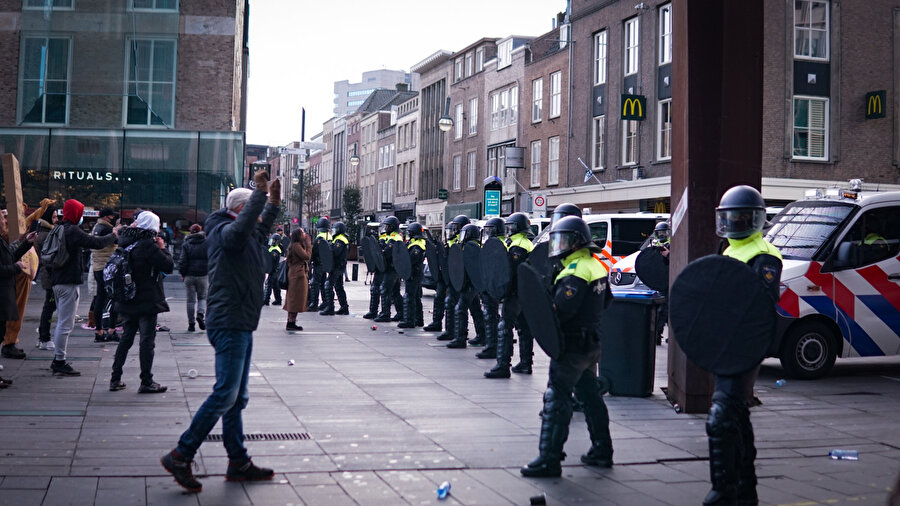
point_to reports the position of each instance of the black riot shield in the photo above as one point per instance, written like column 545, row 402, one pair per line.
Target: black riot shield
column 434, row 259
column 400, row 257
column 443, row 253
column 496, row 268
column 721, row 315
column 537, row 307
column 472, row 263
column 456, row 267
column 326, row 257
column 539, row 258
column 653, row 269
column 372, row 254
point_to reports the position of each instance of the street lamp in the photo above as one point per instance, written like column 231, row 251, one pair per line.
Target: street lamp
column 445, row 123
column 354, row 160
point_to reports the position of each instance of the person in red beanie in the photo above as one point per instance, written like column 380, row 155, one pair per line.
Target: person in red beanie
column 67, row 279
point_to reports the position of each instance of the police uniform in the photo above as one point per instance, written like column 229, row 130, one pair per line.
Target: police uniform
column 276, row 251
column 390, row 282
column 468, row 302
column 335, row 282
column 440, row 294
column 412, row 302
column 317, row 283
column 450, row 301
column 518, row 248
column 375, row 286
column 580, row 294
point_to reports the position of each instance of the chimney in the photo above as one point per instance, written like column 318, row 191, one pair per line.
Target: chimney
column 402, row 87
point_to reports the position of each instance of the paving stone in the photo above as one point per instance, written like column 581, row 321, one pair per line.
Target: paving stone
column 119, row 491
column 74, row 491
column 19, row 497
column 25, row 482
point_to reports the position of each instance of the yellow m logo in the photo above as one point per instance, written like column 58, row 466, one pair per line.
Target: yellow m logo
column 874, row 105
column 632, row 103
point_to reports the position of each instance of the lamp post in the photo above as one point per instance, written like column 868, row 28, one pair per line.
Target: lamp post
column 354, row 159
column 445, row 123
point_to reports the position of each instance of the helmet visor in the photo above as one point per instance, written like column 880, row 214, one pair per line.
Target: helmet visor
column 662, row 234
column 739, row 223
column 556, row 217
column 561, row 243
column 511, row 229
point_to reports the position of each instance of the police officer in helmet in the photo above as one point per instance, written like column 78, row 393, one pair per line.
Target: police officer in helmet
column 452, row 235
column 563, row 210
column 739, row 219
column 335, row 282
column 580, row 294
column 494, row 227
column 389, row 294
column 469, row 301
column 412, row 301
column 317, row 281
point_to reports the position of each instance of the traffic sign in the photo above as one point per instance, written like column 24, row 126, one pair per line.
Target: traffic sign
column 539, row 203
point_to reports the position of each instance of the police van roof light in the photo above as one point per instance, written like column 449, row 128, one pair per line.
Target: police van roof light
column 814, row 193
column 856, row 184
column 833, row 192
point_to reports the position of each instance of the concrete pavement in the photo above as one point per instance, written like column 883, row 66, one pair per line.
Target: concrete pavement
column 383, row 417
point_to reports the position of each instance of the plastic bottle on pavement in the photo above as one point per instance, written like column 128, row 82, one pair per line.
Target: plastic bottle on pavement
column 444, row 490
column 844, row 454
column 780, row 383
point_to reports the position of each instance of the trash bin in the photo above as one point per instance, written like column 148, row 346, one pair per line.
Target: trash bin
column 628, row 340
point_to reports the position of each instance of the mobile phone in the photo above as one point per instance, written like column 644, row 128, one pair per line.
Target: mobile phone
column 36, row 226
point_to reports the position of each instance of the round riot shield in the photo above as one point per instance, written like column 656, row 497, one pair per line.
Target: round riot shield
column 326, row 257
column 472, row 263
column 496, row 268
column 653, row 269
column 401, row 260
column 374, row 254
column 365, row 247
column 537, row 307
column 443, row 254
column 539, row 258
column 434, row 262
column 456, row 267
column 721, row 315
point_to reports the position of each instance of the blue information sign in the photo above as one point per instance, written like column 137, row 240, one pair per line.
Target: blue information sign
column 492, row 202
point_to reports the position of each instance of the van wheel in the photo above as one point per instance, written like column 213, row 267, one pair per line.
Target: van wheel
column 809, row 351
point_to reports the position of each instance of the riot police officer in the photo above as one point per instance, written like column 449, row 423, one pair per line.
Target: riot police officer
column 375, row 285
column 389, row 295
column 580, row 294
column 440, row 291
column 494, row 227
column 563, row 210
column 518, row 248
column 412, row 302
column 453, row 229
column 661, row 239
column 469, row 302
column 740, row 218
column 317, row 281
column 335, row 282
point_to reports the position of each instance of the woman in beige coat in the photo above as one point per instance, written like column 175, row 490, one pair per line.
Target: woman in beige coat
column 298, row 256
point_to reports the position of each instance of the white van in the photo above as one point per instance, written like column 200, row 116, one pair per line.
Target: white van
column 840, row 284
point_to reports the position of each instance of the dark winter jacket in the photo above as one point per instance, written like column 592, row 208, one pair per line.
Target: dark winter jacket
column 236, row 247
column 8, row 272
column 43, row 232
column 193, row 260
column 76, row 239
column 148, row 263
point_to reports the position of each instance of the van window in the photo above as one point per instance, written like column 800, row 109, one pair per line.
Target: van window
column 629, row 234
column 599, row 233
column 875, row 235
column 800, row 230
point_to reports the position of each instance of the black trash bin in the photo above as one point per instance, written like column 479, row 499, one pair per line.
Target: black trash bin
column 628, row 340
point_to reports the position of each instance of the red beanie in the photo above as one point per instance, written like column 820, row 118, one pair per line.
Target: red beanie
column 72, row 211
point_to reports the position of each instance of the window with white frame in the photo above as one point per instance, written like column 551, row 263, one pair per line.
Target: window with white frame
column 664, row 130
column 479, row 59
column 45, row 80
column 492, row 162
column 632, row 40
column 469, row 62
column 415, row 133
column 600, row 51
column 537, row 99
column 458, row 122
column 513, row 105
column 391, row 151
column 470, row 169
column 168, row 5
column 665, row 34
column 504, row 54
column 598, row 153
column 150, row 69
column 810, row 128
column 401, row 172
column 412, row 176
column 629, row 142
column 473, row 116
column 457, row 168
column 458, row 70
column 504, row 107
column 555, row 94
column 811, row 27
column 535, row 163
column 42, row 4
column 553, row 161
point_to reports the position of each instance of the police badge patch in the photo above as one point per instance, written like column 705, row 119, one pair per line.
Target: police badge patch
column 569, row 293
column 769, row 272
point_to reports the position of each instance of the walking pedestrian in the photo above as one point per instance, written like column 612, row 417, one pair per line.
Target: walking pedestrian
column 236, row 239
column 299, row 253
column 194, row 269
column 150, row 261
column 47, row 221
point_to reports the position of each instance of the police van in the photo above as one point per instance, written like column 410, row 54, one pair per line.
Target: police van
column 840, row 283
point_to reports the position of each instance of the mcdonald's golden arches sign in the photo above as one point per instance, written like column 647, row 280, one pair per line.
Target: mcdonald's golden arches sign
column 634, row 107
column 875, row 104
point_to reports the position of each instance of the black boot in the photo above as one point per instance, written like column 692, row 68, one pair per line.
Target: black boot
column 478, row 341
column 522, row 368
column 724, row 448
column 457, row 343
column 555, row 419
column 597, row 418
column 497, row 372
column 434, row 326
column 488, row 352
column 383, row 318
column 344, row 310
column 746, row 492
column 374, row 299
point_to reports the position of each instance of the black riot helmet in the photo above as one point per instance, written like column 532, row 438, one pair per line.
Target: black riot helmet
column 567, row 235
column 662, row 231
column 338, row 229
column 741, row 213
column 415, row 230
column 470, row 232
column 390, row 225
column 456, row 225
column 494, row 227
column 563, row 210
column 323, row 225
column 516, row 223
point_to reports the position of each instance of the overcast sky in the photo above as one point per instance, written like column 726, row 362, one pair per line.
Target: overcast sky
column 299, row 48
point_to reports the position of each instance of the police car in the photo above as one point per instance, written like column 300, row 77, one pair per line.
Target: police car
column 840, row 283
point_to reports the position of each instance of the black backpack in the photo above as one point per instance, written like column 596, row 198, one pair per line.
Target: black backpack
column 118, row 279
column 54, row 253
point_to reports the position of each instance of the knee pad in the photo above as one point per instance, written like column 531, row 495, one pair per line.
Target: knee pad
column 721, row 420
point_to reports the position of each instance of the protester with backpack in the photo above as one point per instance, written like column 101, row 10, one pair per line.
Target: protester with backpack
column 148, row 259
column 47, row 222
column 194, row 269
column 62, row 251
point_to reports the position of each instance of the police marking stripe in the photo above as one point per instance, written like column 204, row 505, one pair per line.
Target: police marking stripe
column 860, row 342
column 879, row 280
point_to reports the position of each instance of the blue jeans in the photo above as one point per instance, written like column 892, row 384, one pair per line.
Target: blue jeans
column 228, row 398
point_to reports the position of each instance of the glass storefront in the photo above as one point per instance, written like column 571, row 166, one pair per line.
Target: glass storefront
column 181, row 176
